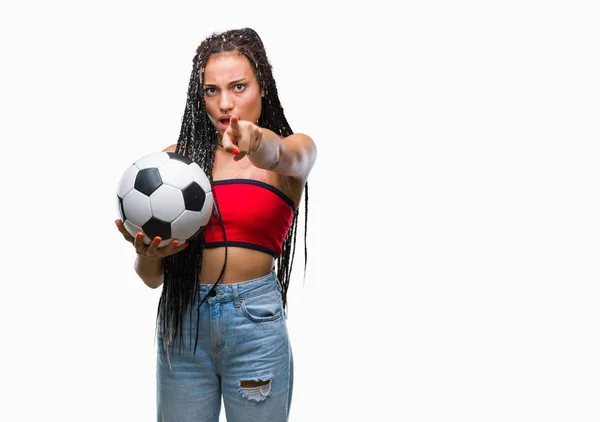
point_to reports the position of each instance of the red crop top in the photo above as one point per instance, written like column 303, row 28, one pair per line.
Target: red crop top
column 256, row 215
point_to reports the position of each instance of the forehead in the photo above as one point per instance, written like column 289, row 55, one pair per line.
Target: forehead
column 225, row 67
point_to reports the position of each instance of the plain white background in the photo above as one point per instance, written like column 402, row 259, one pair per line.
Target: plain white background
column 453, row 219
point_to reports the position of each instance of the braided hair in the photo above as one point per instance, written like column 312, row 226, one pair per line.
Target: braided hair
column 198, row 141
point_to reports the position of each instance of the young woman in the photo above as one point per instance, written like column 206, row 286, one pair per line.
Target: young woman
column 224, row 292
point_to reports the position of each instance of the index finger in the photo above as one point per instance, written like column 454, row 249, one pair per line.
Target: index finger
column 234, row 125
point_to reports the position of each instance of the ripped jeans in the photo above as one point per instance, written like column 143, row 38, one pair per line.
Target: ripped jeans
column 243, row 354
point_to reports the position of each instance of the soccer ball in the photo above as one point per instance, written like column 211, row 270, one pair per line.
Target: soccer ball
column 164, row 194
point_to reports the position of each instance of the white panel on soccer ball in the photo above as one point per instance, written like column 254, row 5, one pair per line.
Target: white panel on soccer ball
column 127, row 181
column 200, row 177
column 137, row 208
column 153, row 159
column 186, row 225
column 167, row 203
column 131, row 228
column 176, row 173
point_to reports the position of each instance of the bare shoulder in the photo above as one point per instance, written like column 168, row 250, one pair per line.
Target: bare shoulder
column 307, row 144
column 170, row 148
column 303, row 140
column 302, row 151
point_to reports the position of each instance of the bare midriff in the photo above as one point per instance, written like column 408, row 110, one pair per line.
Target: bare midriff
column 242, row 265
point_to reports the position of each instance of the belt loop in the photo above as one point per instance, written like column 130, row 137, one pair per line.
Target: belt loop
column 236, row 295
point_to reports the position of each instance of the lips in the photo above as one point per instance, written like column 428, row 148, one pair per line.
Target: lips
column 224, row 121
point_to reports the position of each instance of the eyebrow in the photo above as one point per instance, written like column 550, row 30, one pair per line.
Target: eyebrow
column 237, row 81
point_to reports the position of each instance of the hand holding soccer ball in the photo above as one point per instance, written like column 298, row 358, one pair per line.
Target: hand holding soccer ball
column 152, row 250
column 165, row 197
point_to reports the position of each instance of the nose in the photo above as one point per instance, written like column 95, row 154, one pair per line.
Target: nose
column 225, row 102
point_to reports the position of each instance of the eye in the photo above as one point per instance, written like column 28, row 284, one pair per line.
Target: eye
column 239, row 87
column 210, row 90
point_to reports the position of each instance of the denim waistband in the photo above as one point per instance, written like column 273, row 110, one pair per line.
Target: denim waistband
column 244, row 289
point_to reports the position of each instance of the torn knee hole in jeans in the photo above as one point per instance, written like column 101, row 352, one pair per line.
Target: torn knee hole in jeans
column 255, row 389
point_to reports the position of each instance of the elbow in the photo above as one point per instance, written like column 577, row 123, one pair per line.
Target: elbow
column 153, row 286
column 152, row 282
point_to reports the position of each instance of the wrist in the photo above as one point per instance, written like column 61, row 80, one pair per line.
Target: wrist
column 267, row 153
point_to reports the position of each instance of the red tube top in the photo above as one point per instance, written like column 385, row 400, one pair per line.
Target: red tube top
column 256, row 216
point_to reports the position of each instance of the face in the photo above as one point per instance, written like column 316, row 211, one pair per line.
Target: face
column 230, row 88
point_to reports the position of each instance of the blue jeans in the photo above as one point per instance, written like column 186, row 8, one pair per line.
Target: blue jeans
column 243, row 355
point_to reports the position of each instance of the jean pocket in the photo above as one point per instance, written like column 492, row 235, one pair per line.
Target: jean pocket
column 263, row 308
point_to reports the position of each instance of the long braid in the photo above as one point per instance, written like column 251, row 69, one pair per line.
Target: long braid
column 198, row 141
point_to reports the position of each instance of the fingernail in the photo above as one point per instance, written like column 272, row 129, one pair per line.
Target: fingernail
column 175, row 243
column 235, row 152
column 185, row 245
column 140, row 235
column 157, row 239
